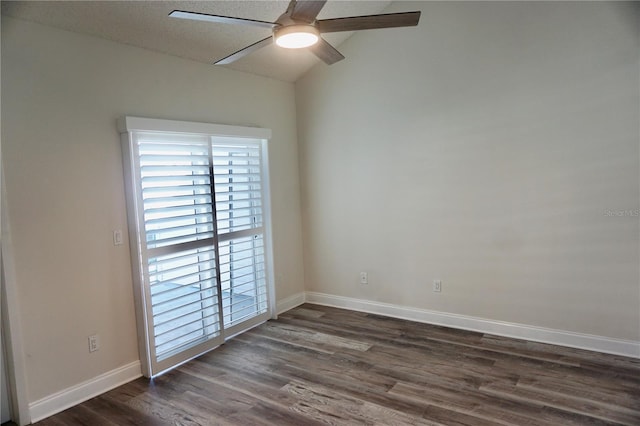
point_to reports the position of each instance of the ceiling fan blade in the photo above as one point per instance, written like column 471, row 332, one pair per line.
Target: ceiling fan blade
column 290, row 7
column 369, row 22
column 196, row 16
column 245, row 51
column 326, row 52
column 307, row 10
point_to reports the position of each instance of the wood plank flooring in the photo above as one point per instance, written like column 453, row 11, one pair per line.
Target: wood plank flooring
column 317, row 365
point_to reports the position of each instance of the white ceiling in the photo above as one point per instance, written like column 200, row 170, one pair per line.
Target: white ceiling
column 146, row 24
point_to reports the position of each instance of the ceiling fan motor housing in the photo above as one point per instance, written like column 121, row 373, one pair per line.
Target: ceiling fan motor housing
column 296, row 36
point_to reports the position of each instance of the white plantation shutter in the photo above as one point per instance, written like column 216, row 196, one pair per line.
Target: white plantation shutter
column 238, row 183
column 176, row 188
column 237, row 170
column 184, row 300
column 179, row 229
column 197, row 206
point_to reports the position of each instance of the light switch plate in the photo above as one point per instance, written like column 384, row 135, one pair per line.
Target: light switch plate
column 117, row 237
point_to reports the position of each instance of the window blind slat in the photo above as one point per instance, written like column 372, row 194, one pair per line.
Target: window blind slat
column 232, row 213
column 241, row 272
column 174, row 168
column 160, row 236
column 182, row 325
column 166, row 224
column 162, row 219
column 150, row 152
column 243, row 294
column 174, row 269
column 232, row 171
column 177, row 302
column 201, row 189
column 183, row 239
column 172, row 180
column 178, row 199
column 246, row 197
column 176, row 317
column 240, row 316
column 241, row 187
column 183, row 279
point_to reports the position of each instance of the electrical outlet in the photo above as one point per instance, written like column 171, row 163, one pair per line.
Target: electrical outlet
column 94, row 343
column 437, row 286
column 364, row 278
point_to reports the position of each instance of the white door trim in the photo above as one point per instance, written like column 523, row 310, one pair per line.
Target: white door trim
column 16, row 371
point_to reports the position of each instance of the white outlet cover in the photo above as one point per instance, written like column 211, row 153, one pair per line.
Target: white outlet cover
column 94, row 343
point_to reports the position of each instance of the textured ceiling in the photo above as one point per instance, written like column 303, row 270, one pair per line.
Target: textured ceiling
column 146, row 24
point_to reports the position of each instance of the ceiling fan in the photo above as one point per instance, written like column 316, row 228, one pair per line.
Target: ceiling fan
column 298, row 28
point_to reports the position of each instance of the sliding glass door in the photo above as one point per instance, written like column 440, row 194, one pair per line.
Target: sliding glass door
column 197, row 208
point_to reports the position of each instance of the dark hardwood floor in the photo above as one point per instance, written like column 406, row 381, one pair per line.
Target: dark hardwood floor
column 318, row 365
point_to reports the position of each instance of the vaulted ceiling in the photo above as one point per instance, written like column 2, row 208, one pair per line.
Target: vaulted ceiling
column 146, row 24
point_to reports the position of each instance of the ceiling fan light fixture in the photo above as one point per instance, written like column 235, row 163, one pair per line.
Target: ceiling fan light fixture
column 296, row 36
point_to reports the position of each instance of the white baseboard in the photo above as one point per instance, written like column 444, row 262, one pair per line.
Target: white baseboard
column 290, row 302
column 74, row 395
column 628, row 348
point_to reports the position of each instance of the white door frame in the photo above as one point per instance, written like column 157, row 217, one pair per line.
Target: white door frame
column 12, row 330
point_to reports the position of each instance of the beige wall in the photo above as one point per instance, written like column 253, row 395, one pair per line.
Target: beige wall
column 483, row 148
column 61, row 96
